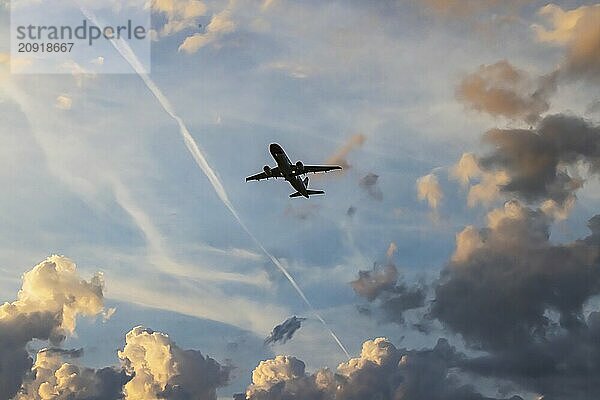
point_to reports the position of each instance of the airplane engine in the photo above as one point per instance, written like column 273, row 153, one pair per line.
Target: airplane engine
column 299, row 166
column 267, row 170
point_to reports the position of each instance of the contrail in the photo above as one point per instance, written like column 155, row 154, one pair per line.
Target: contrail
column 127, row 53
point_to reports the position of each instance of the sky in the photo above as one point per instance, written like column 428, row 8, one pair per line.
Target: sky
column 456, row 256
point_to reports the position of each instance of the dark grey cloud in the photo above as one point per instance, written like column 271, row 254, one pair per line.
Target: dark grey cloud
column 285, row 331
column 498, row 292
column 536, row 159
column 562, row 366
column 369, row 184
column 520, row 297
column 382, row 288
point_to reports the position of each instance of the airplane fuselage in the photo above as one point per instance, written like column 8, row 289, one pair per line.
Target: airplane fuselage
column 287, row 169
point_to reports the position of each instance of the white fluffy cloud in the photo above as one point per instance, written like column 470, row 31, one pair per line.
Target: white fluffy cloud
column 161, row 368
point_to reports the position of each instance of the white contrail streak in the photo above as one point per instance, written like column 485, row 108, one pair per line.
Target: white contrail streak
column 127, row 53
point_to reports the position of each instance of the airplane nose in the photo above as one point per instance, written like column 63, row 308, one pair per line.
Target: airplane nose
column 274, row 148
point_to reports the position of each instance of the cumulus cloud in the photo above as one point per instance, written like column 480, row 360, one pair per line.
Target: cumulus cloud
column 51, row 298
column 500, row 89
column 161, row 369
column 285, row 331
column 340, row 157
column 513, row 293
column 369, row 184
column 429, row 189
column 578, row 31
column 538, row 164
column 382, row 371
column 220, row 24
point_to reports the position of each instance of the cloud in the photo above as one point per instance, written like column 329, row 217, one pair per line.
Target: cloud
column 500, row 89
column 179, row 14
column 579, row 32
column 381, row 286
column 509, row 274
column 160, row 369
column 340, row 157
column 428, row 188
column 285, row 331
column 466, row 169
column 64, row 102
column 220, row 24
column 54, row 379
column 488, row 189
column 369, row 184
column 371, row 284
column 51, row 297
column 534, row 164
column 382, row 371
column 512, row 293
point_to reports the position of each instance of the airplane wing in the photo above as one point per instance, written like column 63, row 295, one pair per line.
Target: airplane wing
column 273, row 173
column 313, row 169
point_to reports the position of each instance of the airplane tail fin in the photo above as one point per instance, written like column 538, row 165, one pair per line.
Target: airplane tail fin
column 308, row 191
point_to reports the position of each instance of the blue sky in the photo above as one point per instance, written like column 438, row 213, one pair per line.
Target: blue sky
column 108, row 182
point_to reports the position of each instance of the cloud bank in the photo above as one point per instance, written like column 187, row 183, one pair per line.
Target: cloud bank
column 52, row 296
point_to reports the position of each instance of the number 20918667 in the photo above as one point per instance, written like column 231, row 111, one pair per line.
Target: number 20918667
column 28, row 47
